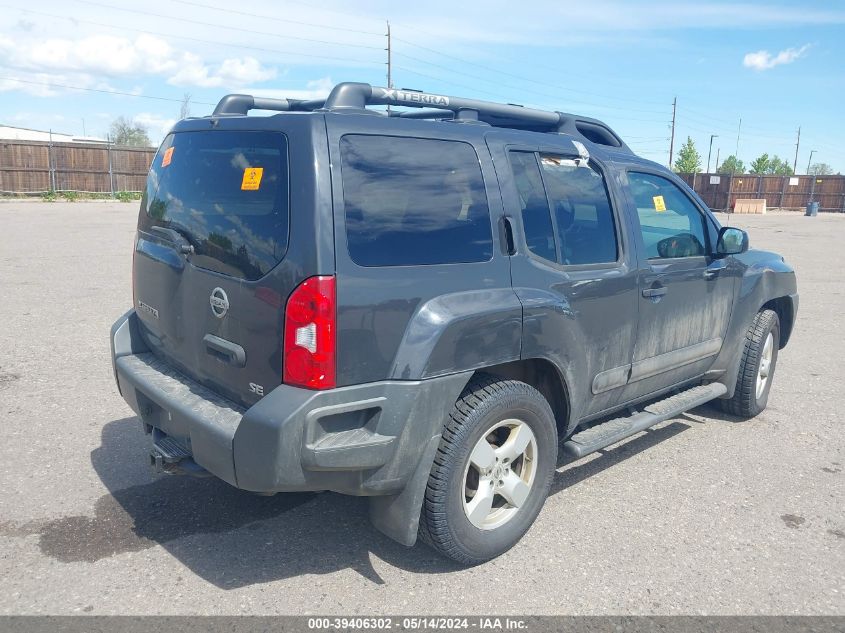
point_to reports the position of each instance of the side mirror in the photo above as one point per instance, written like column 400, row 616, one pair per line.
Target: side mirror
column 732, row 241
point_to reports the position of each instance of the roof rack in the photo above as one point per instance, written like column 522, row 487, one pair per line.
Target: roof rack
column 355, row 97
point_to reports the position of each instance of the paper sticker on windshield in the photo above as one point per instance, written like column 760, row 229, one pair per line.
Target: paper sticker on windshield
column 168, row 156
column 659, row 204
column 252, row 178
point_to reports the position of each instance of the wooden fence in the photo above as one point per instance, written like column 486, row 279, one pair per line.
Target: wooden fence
column 33, row 167
column 720, row 191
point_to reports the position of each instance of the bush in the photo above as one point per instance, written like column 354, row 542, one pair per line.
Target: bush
column 70, row 196
column 127, row 196
column 49, row 196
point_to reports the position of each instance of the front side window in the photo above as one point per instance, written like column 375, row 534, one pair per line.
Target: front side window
column 671, row 225
column 411, row 201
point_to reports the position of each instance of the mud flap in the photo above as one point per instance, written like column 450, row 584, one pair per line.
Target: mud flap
column 398, row 516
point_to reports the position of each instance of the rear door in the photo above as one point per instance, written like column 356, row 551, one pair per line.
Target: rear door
column 573, row 269
column 214, row 262
column 686, row 295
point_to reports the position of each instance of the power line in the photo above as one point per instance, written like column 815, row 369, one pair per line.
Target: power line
column 100, row 90
column 192, row 39
column 264, row 16
column 513, row 75
column 517, row 88
column 227, row 27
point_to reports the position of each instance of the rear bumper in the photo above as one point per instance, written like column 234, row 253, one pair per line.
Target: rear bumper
column 363, row 440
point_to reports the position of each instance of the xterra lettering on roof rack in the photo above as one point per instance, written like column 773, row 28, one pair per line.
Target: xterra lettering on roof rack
column 351, row 97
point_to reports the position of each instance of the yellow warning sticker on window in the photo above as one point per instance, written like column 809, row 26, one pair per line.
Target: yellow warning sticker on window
column 659, row 204
column 168, row 156
column 252, row 178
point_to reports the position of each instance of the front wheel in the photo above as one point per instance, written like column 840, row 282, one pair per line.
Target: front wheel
column 756, row 366
column 492, row 471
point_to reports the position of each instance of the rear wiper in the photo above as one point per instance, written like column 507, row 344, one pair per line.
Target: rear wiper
column 177, row 237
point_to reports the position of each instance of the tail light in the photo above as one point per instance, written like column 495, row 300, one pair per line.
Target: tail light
column 310, row 323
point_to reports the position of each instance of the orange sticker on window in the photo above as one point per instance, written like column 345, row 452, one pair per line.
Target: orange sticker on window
column 168, row 156
column 252, row 178
column 659, row 204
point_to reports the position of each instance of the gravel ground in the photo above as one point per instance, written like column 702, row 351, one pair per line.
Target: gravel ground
column 704, row 515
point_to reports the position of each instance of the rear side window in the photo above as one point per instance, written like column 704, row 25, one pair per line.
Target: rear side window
column 411, row 201
column 565, row 207
column 225, row 192
column 581, row 209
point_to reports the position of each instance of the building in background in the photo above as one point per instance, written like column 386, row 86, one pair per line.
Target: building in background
column 12, row 133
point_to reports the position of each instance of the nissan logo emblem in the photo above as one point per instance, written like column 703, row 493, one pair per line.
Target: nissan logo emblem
column 219, row 303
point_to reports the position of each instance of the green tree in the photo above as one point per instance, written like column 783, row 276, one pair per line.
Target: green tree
column 731, row 165
column 688, row 160
column 125, row 132
column 821, row 169
column 760, row 165
column 779, row 167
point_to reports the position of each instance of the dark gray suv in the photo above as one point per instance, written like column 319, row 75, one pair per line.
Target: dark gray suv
column 417, row 304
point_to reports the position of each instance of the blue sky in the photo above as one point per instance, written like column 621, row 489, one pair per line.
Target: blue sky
column 776, row 65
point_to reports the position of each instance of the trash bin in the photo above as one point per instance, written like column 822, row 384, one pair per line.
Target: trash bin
column 812, row 209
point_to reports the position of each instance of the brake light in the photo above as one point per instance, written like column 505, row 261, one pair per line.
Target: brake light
column 310, row 322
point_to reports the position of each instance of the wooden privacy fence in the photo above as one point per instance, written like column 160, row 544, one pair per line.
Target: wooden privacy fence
column 720, row 191
column 34, row 166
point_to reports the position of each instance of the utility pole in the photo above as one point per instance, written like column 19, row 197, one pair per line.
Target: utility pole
column 797, row 145
column 810, row 160
column 718, row 151
column 389, row 63
column 738, row 130
column 710, row 151
column 672, row 139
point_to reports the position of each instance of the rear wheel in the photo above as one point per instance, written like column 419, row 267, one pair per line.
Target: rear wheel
column 492, row 471
column 756, row 366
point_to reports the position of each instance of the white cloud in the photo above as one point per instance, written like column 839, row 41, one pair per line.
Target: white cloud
column 235, row 71
column 316, row 89
column 763, row 60
column 115, row 56
column 157, row 125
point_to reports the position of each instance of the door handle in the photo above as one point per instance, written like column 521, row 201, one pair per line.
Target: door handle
column 652, row 293
column 713, row 270
column 506, row 235
column 224, row 350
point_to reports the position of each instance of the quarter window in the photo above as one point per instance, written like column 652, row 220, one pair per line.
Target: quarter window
column 411, row 201
column 671, row 225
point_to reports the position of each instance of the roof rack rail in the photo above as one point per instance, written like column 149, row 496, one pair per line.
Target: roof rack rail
column 355, row 97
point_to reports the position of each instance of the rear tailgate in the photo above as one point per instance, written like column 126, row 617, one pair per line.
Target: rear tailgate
column 213, row 267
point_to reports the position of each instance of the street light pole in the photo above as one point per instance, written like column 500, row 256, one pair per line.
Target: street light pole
column 812, row 151
column 710, row 151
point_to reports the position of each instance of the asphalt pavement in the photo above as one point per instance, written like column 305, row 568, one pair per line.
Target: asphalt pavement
column 703, row 515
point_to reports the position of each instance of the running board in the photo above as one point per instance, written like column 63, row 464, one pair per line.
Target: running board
column 615, row 430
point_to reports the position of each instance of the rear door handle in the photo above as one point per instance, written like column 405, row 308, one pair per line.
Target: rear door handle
column 650, row 293
column 224, row 350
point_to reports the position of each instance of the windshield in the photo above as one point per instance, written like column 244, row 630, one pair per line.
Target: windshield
column 226, row 193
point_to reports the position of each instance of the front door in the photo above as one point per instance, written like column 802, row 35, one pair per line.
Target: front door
column 686, row 294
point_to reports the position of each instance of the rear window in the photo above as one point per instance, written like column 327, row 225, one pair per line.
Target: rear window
column 226, row 192
column 412, row 201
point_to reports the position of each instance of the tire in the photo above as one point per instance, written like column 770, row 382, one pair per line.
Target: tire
column 495, row 413
column 749, row 398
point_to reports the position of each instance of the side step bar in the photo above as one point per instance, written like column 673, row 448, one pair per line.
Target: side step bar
column 615, row 430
